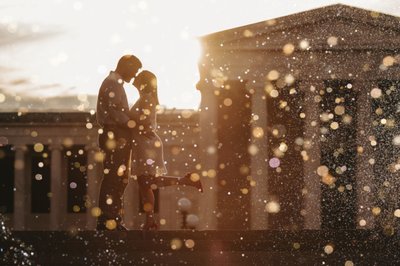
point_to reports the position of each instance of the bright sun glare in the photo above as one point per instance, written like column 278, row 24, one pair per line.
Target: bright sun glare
column 58, row 48
column 77, row 48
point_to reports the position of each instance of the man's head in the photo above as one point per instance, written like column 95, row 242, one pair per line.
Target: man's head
column 128, row 66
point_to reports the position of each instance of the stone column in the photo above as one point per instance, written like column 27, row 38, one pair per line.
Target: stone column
column 209, row 159
column 312, row 186
column 365, row 176
column 58, row 196
column 259, row 169
column 22, row 191
column 93, row 183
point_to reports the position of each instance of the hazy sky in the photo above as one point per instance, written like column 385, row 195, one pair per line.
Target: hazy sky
column 67, row 47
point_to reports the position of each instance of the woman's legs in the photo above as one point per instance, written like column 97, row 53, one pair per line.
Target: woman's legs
column 147, row 196
column 148, row 183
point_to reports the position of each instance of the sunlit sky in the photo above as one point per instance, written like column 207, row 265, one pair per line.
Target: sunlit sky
column 66, row 47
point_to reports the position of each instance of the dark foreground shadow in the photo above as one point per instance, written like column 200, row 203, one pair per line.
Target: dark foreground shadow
column 306, row 247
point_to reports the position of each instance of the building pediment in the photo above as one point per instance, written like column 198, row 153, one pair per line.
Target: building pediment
column 331, row 27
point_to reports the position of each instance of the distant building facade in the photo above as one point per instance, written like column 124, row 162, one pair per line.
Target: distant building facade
column 51, row 169
column 303, row 112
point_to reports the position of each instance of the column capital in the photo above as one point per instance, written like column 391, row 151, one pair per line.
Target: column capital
column 53, row 147
column 92, row 147
column 307, row 84
column 20, row 147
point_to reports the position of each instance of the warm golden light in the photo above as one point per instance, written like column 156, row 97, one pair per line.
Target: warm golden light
column 111, row 224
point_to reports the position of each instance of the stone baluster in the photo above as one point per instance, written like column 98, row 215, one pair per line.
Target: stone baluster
column 93, row 185
column 21, row 191
column 58, row 188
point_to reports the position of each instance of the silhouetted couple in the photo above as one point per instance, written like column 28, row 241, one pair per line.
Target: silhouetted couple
column 128, row 138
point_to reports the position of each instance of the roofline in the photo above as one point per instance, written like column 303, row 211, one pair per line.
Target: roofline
column 310, row 16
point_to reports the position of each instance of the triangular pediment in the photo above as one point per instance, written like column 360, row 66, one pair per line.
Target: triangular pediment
column 347, row 27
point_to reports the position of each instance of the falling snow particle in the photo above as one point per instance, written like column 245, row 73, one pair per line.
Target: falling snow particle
column 328, row 249
column 376, row 93
column 274, row 162
column 272, row 207
column 176, row 244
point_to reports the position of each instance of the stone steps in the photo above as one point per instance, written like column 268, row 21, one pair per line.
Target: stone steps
column 306, row 247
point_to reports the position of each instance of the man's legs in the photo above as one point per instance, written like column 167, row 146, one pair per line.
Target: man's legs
column 117, row 152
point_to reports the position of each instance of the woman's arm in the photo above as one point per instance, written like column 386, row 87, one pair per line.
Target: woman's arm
column 143, row 113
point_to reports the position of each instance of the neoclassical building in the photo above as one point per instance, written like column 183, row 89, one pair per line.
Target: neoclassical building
column 297, row 129
column 301, row 120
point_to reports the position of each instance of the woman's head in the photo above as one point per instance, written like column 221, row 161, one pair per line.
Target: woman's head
column 146, row 82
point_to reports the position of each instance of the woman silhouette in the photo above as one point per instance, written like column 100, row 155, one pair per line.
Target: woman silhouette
column 147, row 162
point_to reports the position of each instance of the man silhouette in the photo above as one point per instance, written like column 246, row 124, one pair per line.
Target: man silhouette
column 114, row 140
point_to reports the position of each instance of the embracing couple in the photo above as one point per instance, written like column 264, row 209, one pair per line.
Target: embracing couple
column 131, row 145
